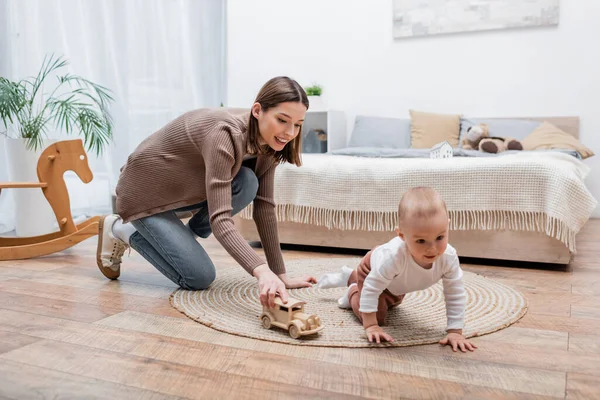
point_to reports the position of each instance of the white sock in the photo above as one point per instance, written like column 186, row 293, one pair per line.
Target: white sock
column 335, row 279
column 122, row 231
column 344, row 301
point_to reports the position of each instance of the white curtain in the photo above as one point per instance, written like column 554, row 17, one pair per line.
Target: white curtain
column 159, row 57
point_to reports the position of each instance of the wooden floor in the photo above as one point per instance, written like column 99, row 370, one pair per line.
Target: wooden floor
column 66, row 331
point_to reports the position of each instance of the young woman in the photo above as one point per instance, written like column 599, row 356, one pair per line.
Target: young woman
column 214, row 163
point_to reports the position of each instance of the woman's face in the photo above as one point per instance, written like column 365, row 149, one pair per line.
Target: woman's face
column 279, row 125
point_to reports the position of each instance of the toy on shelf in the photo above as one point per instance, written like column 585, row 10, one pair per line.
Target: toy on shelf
column 55, row 160
column 291, row 316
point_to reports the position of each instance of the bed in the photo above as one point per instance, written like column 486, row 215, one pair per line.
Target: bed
column 521, row 206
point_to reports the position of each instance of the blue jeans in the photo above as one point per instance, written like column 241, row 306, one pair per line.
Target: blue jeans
column 171, row 246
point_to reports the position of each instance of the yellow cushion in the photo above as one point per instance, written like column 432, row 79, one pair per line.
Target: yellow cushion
column 548, row 136
column 429, row 129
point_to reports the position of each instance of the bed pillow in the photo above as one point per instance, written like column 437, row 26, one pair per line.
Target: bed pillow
column 514, row 128
column 548, row 136
column 429, row 129
column 380, row 132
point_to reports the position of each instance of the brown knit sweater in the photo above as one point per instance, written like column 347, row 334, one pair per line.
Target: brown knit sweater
column 195, row 158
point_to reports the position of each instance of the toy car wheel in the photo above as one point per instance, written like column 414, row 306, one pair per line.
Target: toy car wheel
column 294, row 331
column 266, row 321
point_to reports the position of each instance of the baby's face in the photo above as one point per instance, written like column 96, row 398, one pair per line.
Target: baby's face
column 426, row 238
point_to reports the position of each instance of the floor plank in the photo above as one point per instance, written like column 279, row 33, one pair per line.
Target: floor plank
column 529, row 337
column 12, row 340
column 109, row 301
column 90, row 283
column 562, row 324
column 351, row 375
column 463, row 371
column 584, row 343
column 53, row 307
column 578, row 311
column 66, row 331
column 16, row 383
column 36, row 264
column 583, row 387
column 150, row 374
column 527, row 356
column 557, row 303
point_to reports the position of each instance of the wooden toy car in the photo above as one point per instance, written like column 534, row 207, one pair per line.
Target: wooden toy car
column 291, row 316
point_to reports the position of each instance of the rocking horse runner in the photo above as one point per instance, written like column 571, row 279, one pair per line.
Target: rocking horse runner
column 55, row 160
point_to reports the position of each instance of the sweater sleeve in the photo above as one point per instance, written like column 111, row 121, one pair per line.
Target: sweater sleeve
column 218, row 152
column 266, row 220
column 454, row 294
column 383, row 271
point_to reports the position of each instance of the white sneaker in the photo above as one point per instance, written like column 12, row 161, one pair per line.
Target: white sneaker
column 110, row 248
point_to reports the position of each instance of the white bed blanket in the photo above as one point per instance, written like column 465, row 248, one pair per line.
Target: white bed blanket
column 542, row 192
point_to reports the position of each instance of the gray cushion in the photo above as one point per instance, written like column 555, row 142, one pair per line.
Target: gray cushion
column 380, row 132
column 514, row 128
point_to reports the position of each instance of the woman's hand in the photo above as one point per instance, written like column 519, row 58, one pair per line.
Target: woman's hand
column 300, row 282
column 269, row 286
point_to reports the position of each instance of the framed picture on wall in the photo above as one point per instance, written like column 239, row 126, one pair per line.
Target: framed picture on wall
column 434, row 17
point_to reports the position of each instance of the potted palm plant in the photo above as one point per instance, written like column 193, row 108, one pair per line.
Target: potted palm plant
column 34, row 107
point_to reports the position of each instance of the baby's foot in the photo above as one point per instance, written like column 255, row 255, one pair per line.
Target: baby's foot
column 344, row 301
column 335, row 279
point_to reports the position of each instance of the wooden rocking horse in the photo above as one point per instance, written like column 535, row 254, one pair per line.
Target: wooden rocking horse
column 55, row 160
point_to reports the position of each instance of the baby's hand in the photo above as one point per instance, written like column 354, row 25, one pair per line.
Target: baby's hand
column 375, row 332
column 456, row 340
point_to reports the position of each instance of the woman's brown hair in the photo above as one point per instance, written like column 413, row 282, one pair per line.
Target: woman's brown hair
column 280, row 89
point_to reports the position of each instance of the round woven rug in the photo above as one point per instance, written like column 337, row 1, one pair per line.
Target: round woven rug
column 232, row 305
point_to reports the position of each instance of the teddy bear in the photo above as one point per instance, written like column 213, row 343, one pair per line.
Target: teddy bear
column 475, row 134
column 478, row 138
column 496, row 144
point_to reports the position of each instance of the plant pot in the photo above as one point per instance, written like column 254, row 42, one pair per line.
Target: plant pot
column 33, row 214
column 316, row 103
